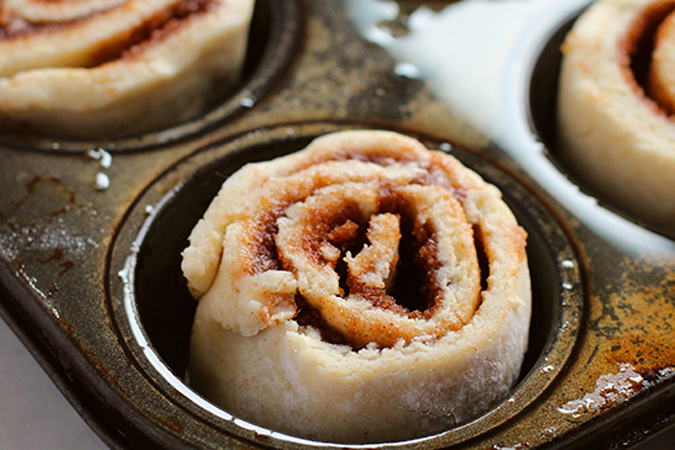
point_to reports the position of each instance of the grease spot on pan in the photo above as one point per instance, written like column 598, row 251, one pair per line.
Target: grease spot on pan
column 610, row 389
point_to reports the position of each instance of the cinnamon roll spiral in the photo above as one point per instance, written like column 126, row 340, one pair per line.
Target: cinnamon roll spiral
column 615, row 106
column 104, row 68
column 363, row 289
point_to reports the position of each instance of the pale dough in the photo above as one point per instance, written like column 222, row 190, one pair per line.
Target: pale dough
column 56, row 79
column 616, row 140
column 273, row 235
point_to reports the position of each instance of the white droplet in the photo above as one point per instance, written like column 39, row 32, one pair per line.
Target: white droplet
column 550, row 431
column 106, row 159
column 445, row 146
column 406, row 70
column 567, row 264
column 102, row 181
column 149, row 209
column 612, row 388
column 93, row 153
column 99, row 154
column 247, row 102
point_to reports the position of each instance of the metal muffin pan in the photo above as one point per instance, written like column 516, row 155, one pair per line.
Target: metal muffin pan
column 90, row 277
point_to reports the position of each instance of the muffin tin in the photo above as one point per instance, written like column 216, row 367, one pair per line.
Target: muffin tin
column 90, row 273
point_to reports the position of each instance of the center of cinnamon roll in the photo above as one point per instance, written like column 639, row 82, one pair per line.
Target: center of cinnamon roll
column 637, row 55
column 373, row 263
column 387, row 258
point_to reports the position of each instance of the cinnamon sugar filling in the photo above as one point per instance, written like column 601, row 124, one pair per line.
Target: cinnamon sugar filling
column 636, row 51
column 151, row 31
column 159, row 27
column 413, row 290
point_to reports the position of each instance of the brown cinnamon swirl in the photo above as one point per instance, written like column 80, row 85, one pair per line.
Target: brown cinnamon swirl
column 616, row 100
column 102, row 68
column 363, row 289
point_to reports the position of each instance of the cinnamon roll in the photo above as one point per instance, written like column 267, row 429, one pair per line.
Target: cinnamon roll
column 615, row 106
column 104, row 68
column 364, row 289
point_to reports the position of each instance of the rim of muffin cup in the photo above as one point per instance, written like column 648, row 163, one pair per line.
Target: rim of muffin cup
column 150, row 233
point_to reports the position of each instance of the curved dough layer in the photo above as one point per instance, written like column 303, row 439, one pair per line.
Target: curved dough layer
column 303, row 325
column 617, row 140
column 106, row 68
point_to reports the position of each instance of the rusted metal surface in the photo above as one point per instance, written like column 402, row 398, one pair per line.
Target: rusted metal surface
column 89, row 270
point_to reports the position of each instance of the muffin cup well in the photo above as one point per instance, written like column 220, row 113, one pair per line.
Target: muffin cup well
column 155, row 311
column 274, row 34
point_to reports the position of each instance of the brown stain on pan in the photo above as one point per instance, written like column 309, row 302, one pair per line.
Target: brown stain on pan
column 37, row 181
column 630, row 325
column 56, row 257
column 646, row 314
column 173, row 423
column 43, row 187
column 90, row 355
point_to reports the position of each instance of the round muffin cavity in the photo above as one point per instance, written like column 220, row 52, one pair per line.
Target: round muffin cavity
column 616, row 133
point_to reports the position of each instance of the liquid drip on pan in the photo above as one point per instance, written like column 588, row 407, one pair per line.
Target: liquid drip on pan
column 475, row 56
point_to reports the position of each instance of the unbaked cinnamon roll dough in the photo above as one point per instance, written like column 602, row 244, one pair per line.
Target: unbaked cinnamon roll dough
column 342, row 297
column 617, row 140
column 103, row 68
